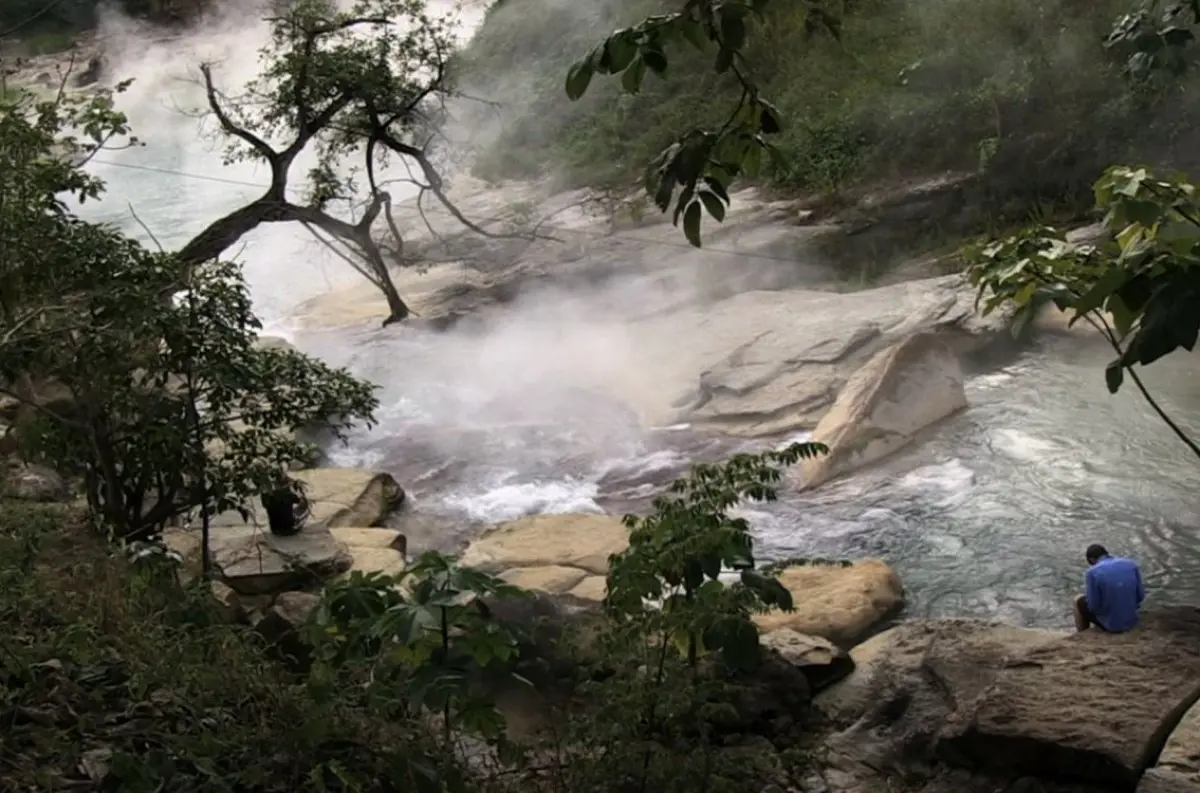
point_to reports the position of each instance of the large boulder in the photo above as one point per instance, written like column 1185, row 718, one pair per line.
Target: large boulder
column 373, row 549
column 35, row 483
column 1178, row 767
column 558, row 554
column 841, row 603
column 762, row 363
column 1093, row 707
column 1090, row 708
column 349, row 496
column 900, row 391
column 252, row 561
column 274, row 343
column 822, row 662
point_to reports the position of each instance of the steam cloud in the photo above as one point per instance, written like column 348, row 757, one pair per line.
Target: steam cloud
column 512, row 400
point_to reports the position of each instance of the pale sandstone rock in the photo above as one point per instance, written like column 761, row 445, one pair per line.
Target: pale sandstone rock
column 349, row 496
column 36, row 483
column 253, row 561
column 554, row 579
column 373, row 549
column 366, row 559
column 228, row 604
column 889, row 664
column 274, row 343
column 592, row 588
column 289, row 611
column 370, row 537
column 556, row 554
column 899, row 392
column 1088, row 707
column 838, row 603
column 822, row 662
column 580, row 541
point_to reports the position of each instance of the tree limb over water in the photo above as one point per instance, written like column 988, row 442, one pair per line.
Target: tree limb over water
column 360, row 87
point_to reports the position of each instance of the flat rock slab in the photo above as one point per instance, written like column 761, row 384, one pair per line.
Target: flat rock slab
column 579, row 541
column 256, row 562
column 1091, row 707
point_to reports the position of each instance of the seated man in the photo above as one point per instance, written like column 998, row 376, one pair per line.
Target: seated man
column 1113, row 593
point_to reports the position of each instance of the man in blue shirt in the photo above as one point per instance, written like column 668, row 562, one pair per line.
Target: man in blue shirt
column 1113, row 593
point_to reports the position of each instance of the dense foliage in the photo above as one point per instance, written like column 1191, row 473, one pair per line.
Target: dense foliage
column 141, row 686
column 906, row 89
column 163, row 402
column 654, row 694
column 112, row 677
column 1139, row 286
column 25, row 18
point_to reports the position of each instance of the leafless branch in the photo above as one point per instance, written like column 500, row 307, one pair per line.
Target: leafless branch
column 146, row 229
column 347, row 258
column 227, row 123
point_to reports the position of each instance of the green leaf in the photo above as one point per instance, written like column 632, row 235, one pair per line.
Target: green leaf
column 631, row 80
column 769, row 119
column 770, row 591
column 1114, row 375
column 1108, row 283
column 733, row 28
column 724, row 60
column 619, row 52
column 655, row 61
column 713, row 204
column 694, row 32
column 717, row 187
column 578, row 79
column 691, row 223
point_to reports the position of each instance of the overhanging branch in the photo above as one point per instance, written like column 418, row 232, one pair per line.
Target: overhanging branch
column 227, row 123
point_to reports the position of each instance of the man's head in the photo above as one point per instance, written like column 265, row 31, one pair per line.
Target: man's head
column 1095, row 552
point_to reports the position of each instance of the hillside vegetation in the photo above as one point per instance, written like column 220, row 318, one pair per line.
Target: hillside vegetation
column 1022, row 91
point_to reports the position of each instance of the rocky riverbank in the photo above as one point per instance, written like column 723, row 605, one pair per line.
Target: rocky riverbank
column 924, row 705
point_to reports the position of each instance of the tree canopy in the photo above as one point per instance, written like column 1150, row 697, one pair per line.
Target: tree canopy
column 362, row 88
column 164, row 401
column 1139, row 286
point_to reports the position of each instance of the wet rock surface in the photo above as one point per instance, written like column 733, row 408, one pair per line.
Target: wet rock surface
column 1089, row 710
column 897, row 393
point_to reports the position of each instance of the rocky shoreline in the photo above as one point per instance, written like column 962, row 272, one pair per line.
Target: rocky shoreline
column 931, row 705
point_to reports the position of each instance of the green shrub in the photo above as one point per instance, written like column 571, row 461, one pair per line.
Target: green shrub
column 110, row 673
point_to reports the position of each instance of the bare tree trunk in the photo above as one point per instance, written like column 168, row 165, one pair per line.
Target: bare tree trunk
column 224, row 232
column 398, row 310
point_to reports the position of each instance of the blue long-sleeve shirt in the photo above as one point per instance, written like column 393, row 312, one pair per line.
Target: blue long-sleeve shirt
column 1114, row 591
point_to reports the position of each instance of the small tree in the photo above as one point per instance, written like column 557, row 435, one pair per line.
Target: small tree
column 1139, row 288
column 424, row 638
column 656, row 725
column 359, row 87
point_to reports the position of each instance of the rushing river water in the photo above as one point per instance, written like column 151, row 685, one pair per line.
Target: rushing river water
column 988, row 517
